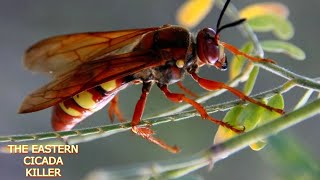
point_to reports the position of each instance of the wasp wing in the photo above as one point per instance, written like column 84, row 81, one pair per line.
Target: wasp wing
column 59, row 54
column 88, row 75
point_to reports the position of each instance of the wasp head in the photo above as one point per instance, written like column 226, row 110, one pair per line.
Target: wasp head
column 209, row 49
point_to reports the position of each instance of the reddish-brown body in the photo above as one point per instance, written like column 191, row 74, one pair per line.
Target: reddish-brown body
column 174, row 43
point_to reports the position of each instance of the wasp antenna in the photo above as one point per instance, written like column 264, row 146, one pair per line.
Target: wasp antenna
column 235, row 23
column 222, row 13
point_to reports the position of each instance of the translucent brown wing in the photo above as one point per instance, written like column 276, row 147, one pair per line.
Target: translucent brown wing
column 88, row 75
column 58, row 54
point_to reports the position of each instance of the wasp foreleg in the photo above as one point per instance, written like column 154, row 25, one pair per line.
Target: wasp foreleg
column 214, row 85
column 181, row 97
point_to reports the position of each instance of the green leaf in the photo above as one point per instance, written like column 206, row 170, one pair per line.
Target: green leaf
column 237, row 62
column 276, row 46
column 281, row 27
column 251, row 80
column 266, row 116
column 275, row 101
column 231, row 117
column 250, row 116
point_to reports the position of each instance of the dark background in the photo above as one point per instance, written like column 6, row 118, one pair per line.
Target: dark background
column 24, row 22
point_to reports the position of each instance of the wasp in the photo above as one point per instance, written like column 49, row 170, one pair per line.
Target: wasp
column 90, row 69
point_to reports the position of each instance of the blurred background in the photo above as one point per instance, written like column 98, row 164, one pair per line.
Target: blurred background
column 26, row 22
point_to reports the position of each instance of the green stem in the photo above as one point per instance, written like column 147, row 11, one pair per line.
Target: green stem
column 300, row 80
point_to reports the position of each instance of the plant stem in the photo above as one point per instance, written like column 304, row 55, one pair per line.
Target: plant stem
column 300, row 80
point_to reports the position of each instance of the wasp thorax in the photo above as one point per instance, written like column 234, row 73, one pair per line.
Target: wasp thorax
column 209, row 50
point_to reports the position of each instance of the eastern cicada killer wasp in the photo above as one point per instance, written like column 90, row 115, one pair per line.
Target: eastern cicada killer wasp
column 90, row 69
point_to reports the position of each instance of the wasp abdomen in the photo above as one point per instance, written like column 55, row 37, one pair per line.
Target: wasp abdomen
column 70, row 112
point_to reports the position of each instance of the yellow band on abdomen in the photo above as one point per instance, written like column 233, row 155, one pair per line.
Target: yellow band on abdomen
column 109, row 86
column 70, row 111
column 85, row 100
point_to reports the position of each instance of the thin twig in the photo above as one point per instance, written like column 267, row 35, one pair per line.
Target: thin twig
column 300, row 80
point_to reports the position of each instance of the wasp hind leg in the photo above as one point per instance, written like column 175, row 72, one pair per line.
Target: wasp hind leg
column 114, row 110
column 146, row 132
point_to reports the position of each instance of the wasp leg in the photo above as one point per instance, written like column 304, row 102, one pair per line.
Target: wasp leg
column 181, row 97
column 114, row 110
column 214, row 85
column 147, row 132
column 186, row 90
